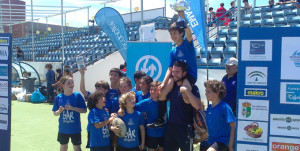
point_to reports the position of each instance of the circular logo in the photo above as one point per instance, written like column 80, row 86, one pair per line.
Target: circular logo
column 288, row 119
column 150, row 64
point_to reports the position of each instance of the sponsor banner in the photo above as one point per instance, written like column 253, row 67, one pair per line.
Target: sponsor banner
column 4, row 71
column 248, row 147
column 253, row 110
column 256, row 76
column 3, row 52
column 284, row 144
column 4, row 105
column 3, row 121
column 3, row 88
column 252, row 131
column 289, row 93
column 285, row 125
column 252, row 92
column 290, row 58
column 4, row 41
column 256, row 50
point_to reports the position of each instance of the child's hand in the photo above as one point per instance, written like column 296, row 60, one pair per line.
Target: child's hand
column 82, row 70
column 142, row 147
column 161, row 86
column 183, row 89
column 68, row 107
column 61, row 109
column 121, row 112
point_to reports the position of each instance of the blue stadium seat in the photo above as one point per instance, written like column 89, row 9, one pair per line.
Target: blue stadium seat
column 217, row 52
column 230, row 50
column 245, row 24
column 255, row 23
column 246, row 17
column 293, row 20
column 298, row 25
column 210, row 42
column 233, row 25
column 290, row 13
column 214, row 62
column 232, row 41
column 228, row 55
column 223, row 33
column 223, row 63
column 202, row 62
column 280, row 22
column 288, row 6
column 265, row 9
column 220, row 42
column 278, row 14
column 266, row 15
column 277, row 8
column 232, row 32
column 255, row 16
column 255, row 10
column 267, row 23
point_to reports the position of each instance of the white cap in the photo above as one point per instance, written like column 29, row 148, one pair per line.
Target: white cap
column 232, row 61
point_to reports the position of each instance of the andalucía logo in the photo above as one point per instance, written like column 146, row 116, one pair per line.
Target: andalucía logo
column 293, row 92
column 256, row 76
column 296, row 58
column 276, row 146
column 257, row 47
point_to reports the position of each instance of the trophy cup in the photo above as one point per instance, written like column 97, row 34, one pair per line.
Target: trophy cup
column 178, row 6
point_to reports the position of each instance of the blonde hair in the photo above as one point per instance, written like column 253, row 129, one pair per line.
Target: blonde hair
column 124, row 97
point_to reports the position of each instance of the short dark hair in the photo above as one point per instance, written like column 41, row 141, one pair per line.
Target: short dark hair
column 58, row 70
column 29, row 74
column 216, row 86
column 174, row 27
column 48, row 65
column 139, row 74
column 93, row 99
column 122, row 66
column 155, row 84
column 231, row 3
column 102, row 84
column 222, row 4
column 148, row 79
column 181, row 64
column 210, row 9
column 245, row 1
column 116, row 70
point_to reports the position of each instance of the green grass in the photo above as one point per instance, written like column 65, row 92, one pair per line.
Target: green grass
column 35, row 128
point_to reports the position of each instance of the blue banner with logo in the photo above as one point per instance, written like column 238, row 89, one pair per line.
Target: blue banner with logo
column 111, row 22
column 195, row 14
column 5, row 90
column 268, row 94
column 150, row 57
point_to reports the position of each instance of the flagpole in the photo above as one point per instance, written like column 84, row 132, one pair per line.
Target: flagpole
column 238, row 26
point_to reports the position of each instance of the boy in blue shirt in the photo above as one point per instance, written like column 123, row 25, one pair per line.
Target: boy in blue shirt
column 68, row 106
column 145, row 87
column 115, row 75
column 134, row 121
column 220, row 119
column 99, row 120
column 137, row 77
column 184, row 51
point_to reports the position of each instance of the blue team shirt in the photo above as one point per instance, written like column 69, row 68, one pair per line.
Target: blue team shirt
column 231, row 90
column 217, row 120
column 151, row 108
column 181, row 113
column 50, row 75
column 69, row 121
column 139, row 96
column 134, row 90
column 185, row 52
column 99, row 137
column 115, row 105
column 113, row 93
column 132, row 121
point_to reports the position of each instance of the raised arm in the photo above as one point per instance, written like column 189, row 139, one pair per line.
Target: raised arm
column 191, row 99
column 82, row 82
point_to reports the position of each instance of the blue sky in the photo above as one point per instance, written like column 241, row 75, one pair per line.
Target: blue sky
column 79, row 18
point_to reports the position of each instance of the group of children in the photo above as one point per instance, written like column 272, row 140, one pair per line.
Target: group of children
column 120, row 100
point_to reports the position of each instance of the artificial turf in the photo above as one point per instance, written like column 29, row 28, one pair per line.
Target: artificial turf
column 34, row 128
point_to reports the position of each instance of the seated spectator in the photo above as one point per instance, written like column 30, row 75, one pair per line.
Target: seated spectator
column 271, row 3
column 282, row 2
column 232, row 14
column 247, row 7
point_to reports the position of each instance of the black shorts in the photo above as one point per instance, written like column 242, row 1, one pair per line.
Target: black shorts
column 154, row 142
column 120, row 148
column 191, row 79
column 106, row 148
column 64, row 138
column 218, row 146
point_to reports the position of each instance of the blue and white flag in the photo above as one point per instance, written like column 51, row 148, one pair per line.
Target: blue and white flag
column 111, row 22
column 195, row 14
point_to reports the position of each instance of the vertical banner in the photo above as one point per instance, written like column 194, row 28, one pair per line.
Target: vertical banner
column 268, row 90
column 111, row 22
column 150, row 57
column 195, row 14
column 5, row 91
